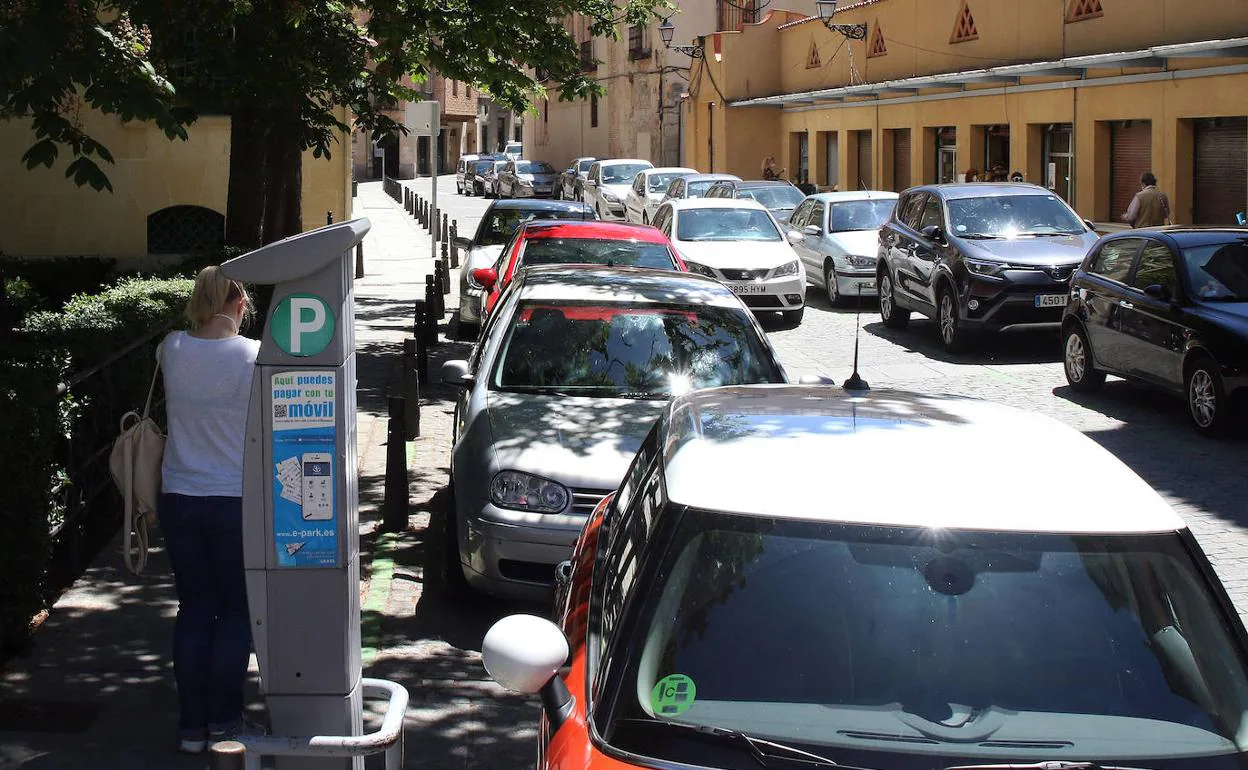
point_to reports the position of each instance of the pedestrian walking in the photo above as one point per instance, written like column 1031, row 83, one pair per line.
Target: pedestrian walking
column 207, row 374
column 1150, row 207
column 770, row 171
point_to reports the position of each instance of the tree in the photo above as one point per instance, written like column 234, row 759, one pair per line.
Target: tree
column 282, row 69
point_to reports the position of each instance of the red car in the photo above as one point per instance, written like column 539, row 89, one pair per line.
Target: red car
column 574, row 242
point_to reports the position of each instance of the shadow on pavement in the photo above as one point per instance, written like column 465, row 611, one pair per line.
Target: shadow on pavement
column 1000, row 349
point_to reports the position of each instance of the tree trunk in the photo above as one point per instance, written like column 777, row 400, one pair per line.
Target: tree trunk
column 283, row 211
column 245, row 198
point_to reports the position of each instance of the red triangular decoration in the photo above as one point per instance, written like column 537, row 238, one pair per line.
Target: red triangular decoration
column 812, row 59
column 1084, row 9
column 964, row 28
column 877, row 47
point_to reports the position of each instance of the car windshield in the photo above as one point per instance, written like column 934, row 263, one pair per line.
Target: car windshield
column 501, row 223
column 1009, row 216
column 725, row 225
column 618, row 253
column 498, row 165
column 987, row 647
column 698, row 189
column 1218, row 271
column 659, row 182
column 777, row 197
column 630, row 351
column 482, row 166
column 533, row 167
column 622, row 174
column 584, row 165
column 860, row 215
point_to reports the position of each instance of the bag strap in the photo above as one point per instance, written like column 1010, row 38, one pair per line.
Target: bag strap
column 147, row 405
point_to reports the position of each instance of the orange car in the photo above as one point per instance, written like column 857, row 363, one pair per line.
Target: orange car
column 575, row 242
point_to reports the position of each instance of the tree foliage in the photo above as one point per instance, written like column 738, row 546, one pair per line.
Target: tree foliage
column 282, row 69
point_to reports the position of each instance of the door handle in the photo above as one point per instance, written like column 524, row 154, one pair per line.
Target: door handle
column 1122, row 303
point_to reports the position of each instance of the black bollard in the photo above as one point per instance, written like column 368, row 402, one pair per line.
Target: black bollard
column 432, row 315
column 446, row 272
column 329, row 217
column 454, row 248
column 227, row 755
column 411, row 389
column 422, row 363
column 359, row 259
column 424, row 206
column 437, row 273
column 394, row 507
column 442, row 229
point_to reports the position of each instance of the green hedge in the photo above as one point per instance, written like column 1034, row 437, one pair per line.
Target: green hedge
column 48, row 347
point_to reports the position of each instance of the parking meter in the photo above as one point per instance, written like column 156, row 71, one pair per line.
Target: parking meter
column 300, row 488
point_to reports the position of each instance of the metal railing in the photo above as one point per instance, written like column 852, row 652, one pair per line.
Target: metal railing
column 732, row 15
column 245, row 752
column 392, row 188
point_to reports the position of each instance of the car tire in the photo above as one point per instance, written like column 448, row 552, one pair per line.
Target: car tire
column 948, row 323
column 830, row 287
column 558, row 193
column 1081, row 375
column 793, row 317
column 894, row 317
column 452, row 569
column 1207, row 405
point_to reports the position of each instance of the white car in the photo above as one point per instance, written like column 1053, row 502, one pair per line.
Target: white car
column 739, row 242
column 840, row 240
column 514, row 150
column 570, row 373
column 649, row 188
column 607, row 185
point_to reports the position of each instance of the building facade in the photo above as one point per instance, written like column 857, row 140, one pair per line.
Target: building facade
column 640, row 114
column 1081, row 96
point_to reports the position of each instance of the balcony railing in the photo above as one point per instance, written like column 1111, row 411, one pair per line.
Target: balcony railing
column 589, row 62
column 734, row 14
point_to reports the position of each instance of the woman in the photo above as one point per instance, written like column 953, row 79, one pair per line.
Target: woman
column 770, row 172
column 207, row 374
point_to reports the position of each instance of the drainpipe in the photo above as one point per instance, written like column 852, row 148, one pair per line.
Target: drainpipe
column 710, row 135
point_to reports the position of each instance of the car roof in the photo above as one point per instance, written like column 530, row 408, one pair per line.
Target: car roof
column 904, row 459
column 751, row 183
column 712, row 178
column 624, row 161
column 537, row 204
column 683, row 170
column 853, row 195
column 681, row 204
column 592, row 228
column 622, row 285
column 1187, row 235
column 958, row 190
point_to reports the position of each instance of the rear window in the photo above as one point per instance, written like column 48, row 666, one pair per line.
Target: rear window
column 622, row 351
column 614, row 253
column 778, row 197
column 502, row 222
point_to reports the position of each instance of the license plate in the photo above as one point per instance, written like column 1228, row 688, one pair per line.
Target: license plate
column 865, row 285
column 1052, row 300
column 747, row 288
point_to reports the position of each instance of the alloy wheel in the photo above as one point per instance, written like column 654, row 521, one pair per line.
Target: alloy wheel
column 948, row 319
column 1076, row 358
column 1202, row 398
column 830, row 285
column 886, row 297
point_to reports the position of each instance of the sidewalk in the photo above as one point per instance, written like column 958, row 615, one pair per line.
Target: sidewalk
column 97, row 690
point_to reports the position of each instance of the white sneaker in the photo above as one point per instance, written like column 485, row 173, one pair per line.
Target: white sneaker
column 192, row 747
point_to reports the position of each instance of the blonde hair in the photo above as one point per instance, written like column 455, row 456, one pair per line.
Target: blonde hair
column 212, row 293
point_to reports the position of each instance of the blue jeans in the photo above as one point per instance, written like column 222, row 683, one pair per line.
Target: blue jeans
column 212, row 635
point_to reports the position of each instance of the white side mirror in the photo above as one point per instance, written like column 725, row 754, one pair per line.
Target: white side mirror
column 815, row 379
column 795, row 236
column 455, row 372
column 523, row 652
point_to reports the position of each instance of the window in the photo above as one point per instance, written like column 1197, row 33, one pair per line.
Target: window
column 816, row 216
column 910, row 210
column 798, row 219
column 593, row 110
column 588, row 62
column 1216, row 271
column 184, row 230
column 1156, row 268
column 932, row 215
column 726, row 224
column 638, row 46
column 1114, row 260
column 454, row 88
column 639, row 184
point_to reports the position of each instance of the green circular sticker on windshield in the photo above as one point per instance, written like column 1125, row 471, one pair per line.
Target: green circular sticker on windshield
column 673, row 695
column 302, row 324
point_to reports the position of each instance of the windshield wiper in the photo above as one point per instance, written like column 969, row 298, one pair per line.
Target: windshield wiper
column 761, row 749
column 1056, row 764
column 979, row 236
column 535, row 390
column 645, row 396
column 1057, row 234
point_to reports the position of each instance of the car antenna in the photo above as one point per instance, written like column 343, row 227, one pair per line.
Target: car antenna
column 855, row 381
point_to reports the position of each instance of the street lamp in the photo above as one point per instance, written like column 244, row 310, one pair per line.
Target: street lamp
column 827, row 8
column 667, row 29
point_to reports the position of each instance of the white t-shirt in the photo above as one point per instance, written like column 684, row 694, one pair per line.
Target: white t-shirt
column 207, row 388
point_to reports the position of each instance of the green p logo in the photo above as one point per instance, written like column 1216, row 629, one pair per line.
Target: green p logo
column 303, row 324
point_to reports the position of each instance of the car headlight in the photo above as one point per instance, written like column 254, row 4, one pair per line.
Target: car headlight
column 609, row 197
column 856, row 261
column 985, row 267
column 787, row 269
column 694, row 267
column 525, row 492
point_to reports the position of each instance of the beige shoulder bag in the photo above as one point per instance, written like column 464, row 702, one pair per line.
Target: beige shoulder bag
column 135, row 466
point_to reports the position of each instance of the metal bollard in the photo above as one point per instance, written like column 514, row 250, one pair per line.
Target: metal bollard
column 329, row 217
column 445, row 226
column 411, row 389
column 437, row 272
column 446, row 272
column 431, row 311
column 423, row 205
column 394, row 506
column 407, row 200
column 227, row 755
column 454, row 249
column 359, row 260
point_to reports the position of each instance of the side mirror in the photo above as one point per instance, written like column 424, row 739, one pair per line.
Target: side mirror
column 486, row 276
column 590, row 183
column 815, row 379
column 1091, row 225
column 523, row 653
column 795, row 236
column 455, row 372
column 933, row 233
column 462, row 243
column 1158, row 291
column 812, row 230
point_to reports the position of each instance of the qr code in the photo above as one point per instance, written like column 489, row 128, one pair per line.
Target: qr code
column 279, row 410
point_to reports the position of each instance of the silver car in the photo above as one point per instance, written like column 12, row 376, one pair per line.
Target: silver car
column 526, row 179
column 573, row 179
column 497, row 224
column 840, row 235
column 489, row 177
column 571, row 371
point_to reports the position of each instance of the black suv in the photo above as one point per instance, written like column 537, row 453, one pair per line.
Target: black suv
column 779, row 197
column 995, row 257
column 1168, row 307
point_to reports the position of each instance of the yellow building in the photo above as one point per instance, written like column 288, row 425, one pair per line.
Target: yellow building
column 168, row 196
column 1081, row 96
